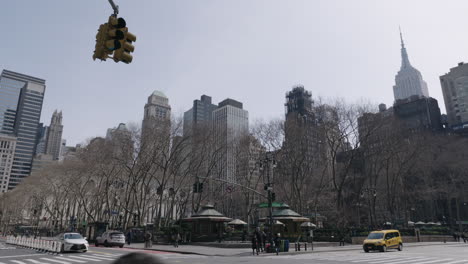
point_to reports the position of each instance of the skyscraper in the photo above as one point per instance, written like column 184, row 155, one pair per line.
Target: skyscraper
column 199, row 115
column 21, row 98
column 408, row 81
column 455, row 89
column 54, row 135
column 231, row 124
column 157, row 117
column 7, row 152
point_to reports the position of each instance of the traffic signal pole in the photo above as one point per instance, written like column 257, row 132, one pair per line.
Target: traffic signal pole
column 115, row 7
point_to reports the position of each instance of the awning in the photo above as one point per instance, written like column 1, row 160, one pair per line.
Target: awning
column 237, row 222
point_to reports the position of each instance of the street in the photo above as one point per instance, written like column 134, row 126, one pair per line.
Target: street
column 453, row 253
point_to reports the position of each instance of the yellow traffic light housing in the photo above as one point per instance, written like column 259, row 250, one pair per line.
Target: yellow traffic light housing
column 110, row 38
column 123, row 53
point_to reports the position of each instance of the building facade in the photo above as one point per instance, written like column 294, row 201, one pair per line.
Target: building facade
column 54, row 135
column 7, row 153
column 230, row 124
column 157, row 117
column 419, row 113
column 199, row 115
column 455, row 90
column 21, row 98
column 408, row 81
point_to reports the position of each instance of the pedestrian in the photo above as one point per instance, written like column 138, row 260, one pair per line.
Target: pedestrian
column 277, row 243
column 176, row 238
column 244, row 234
column 148, row 237
column 258, row 234
column 463, row 237
column 264, row 240
column 129, row 237
column 254, row 244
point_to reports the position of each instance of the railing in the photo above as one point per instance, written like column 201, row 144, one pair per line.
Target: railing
column 50, row 246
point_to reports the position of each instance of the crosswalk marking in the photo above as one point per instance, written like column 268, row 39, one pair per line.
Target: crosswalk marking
column 18, row 262
column 35, row 261
column 57, row 261
column 73, row 260
column 415, row 259
column 433, row 261
column 88, row 258
column 101, row 257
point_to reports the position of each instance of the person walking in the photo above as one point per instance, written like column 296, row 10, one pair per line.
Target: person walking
column 129, row 237
column 277, row 241
column 254, row 244
column 176, row 239
column 258, row 234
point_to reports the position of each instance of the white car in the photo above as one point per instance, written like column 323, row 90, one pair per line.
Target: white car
column 111, row 238
column 73, row 242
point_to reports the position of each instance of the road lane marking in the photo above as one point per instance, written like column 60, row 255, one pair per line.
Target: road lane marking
column 86, row 258
column 457, row 261
column 74, row 260
column 437, row 260
column 36, row 261
column 16, row 256
column 54, row 260
column 17, row 261
column 101, row 257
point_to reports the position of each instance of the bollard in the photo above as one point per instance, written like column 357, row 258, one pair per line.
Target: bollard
column 305, row 246
column 298, row 246
column 295, row 246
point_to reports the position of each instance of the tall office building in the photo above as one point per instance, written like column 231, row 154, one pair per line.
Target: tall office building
column 408, row 81
column 231, row 124
column 54, row 135
column 455, row 89
column 157, row 117
column 41, row 139
column 7, row 152
column 199, row 115
column 21, row 98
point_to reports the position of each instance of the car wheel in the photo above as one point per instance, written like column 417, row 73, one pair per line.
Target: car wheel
column 106, row 244
column 96, row 244
column 400, row 247
column 384, row 248
column 121, row 246
column 84, row 251
column 366, row 250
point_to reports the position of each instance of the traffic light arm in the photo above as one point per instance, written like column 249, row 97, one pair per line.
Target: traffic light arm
column 233, row 183
column 115, row 7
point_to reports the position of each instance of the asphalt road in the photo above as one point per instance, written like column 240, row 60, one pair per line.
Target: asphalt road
column 435, row 254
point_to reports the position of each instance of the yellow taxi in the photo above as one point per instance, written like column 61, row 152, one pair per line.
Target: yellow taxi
column 383, row 240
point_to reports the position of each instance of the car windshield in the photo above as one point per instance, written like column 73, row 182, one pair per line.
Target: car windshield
column 116, row 234
column 73, row 236
column 375, row 236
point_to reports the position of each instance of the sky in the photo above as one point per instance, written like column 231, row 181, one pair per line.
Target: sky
column 253, row 51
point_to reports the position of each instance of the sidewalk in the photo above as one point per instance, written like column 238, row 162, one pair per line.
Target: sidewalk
column 230, row 252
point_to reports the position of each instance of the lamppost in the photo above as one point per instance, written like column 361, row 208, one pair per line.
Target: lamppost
column 267, row 164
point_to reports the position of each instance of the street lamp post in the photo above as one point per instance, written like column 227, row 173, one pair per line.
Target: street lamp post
column 268, row 164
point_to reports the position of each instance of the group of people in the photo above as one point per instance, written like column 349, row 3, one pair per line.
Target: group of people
column 459, row 235
column 259, row 239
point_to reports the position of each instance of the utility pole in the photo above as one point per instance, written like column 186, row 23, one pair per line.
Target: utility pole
column 114, row 7
column 269, row 163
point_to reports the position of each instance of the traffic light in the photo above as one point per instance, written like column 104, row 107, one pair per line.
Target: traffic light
column 109, row 37
column 123, row 52
column 200, row 187
column 195, row 187
column 273, row 196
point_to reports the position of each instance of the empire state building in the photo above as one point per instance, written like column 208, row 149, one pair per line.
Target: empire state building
column 408, row 81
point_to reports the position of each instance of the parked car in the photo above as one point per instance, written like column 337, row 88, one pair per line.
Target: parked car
column 383, row 240
column 111, row 238
column 73, row 242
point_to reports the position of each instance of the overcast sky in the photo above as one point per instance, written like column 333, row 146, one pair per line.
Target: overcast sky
column 253, row 51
